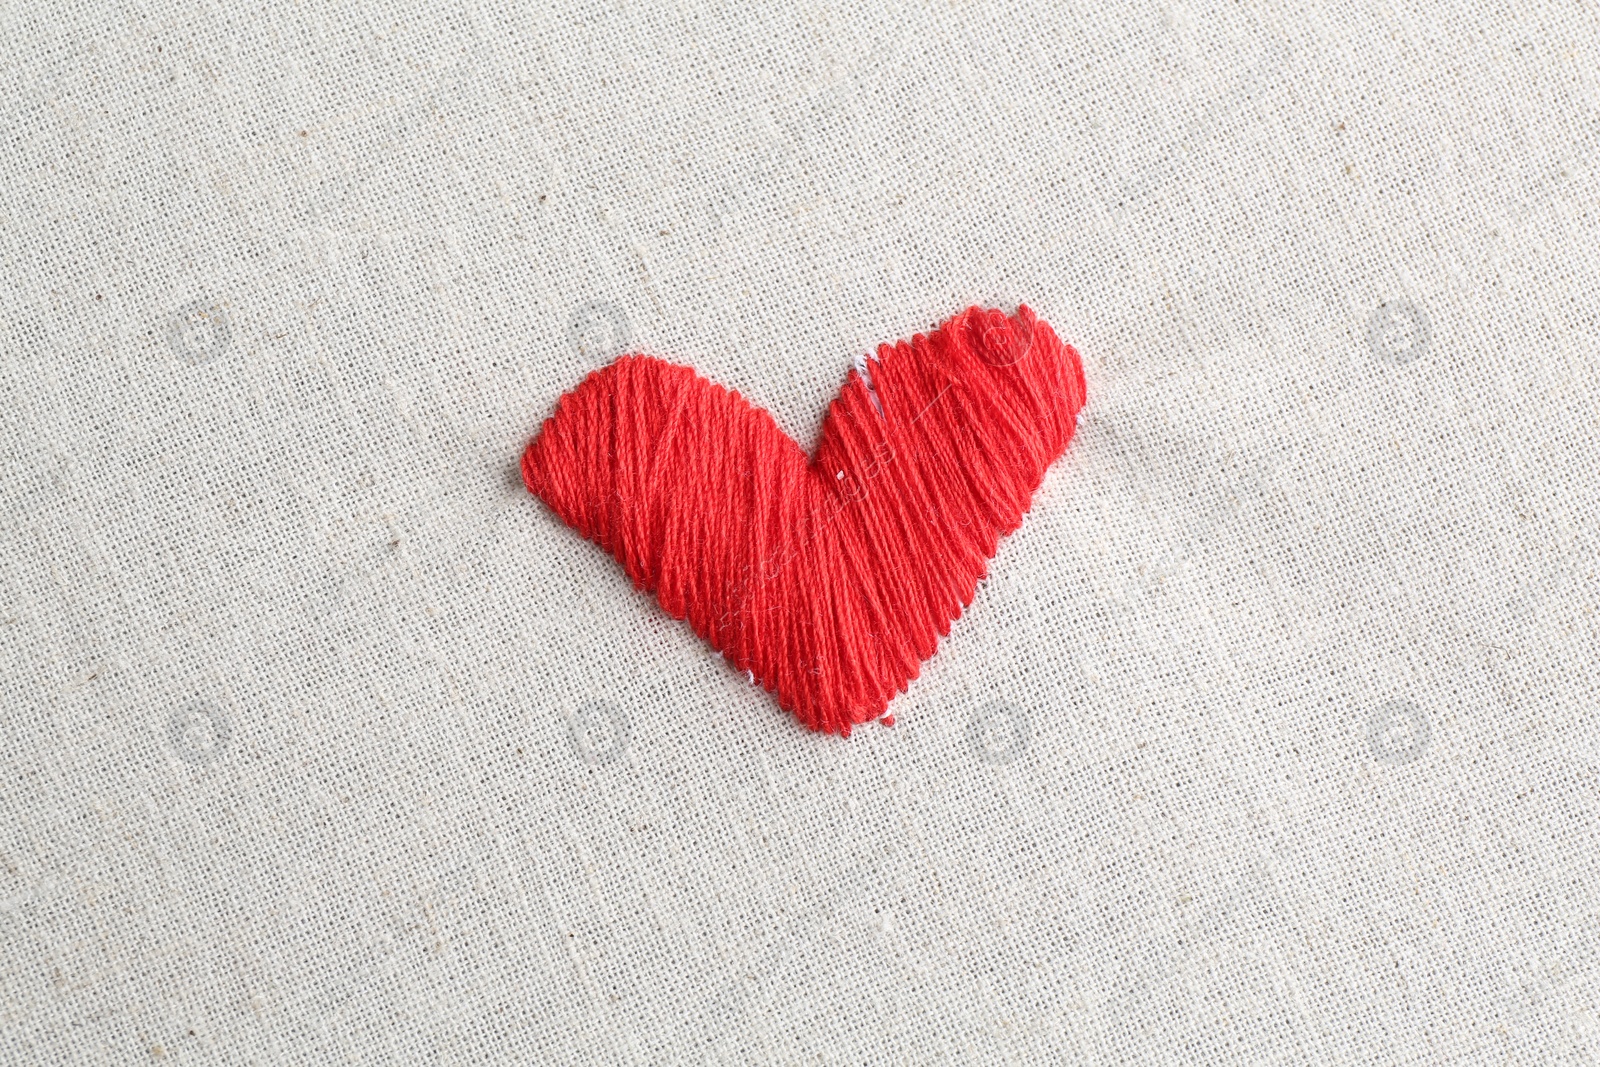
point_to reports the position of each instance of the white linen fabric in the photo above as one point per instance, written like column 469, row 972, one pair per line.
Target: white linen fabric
column 1271, row 737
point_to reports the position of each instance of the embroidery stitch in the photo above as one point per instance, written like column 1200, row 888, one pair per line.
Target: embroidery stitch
column 828, row 579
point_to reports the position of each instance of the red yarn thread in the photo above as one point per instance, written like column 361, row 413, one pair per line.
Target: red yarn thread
column 829, row 580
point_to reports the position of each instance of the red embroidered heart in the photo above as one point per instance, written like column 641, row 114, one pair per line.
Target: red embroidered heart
column 829, row 580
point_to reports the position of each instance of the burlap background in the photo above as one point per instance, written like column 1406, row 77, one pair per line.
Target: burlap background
column 1271, row 738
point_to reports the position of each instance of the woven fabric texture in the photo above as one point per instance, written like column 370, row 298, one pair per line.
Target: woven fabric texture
column 1270, row 737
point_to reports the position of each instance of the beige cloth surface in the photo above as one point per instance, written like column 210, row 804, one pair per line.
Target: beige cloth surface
column 1271, row 737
